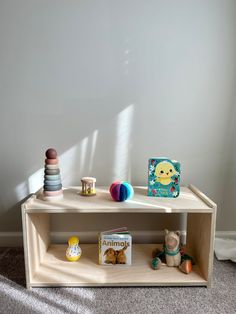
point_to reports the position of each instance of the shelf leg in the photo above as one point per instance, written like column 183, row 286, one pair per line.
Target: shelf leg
column 36, row 241
column 200, row 242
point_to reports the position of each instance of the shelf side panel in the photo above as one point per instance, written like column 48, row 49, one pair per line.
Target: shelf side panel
column 37, row 232
column 200, row 241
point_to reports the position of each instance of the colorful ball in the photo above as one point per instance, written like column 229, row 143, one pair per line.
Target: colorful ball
column 51, row 153
column 121, row 191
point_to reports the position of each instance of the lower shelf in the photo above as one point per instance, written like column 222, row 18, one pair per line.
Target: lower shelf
column 55, row 270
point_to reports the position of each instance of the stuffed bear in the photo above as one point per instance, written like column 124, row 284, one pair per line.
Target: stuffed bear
column 171, row 254
column 171, row 248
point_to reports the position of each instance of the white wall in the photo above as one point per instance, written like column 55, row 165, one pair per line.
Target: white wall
column 227, row 214
column 111, row 83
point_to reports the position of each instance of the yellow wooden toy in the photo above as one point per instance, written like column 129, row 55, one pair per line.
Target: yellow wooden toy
column 73, row 251
column 88, row 186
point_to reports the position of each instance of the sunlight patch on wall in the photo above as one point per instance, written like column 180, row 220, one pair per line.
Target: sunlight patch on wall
column 72, row 164
column 83, row 152
column 93, row 148
column 35, row 181
column 78, row 160
column 67, row 162
column 123, row 144
column 21, row 191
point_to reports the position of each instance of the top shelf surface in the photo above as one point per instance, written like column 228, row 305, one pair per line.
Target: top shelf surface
column 190, row 200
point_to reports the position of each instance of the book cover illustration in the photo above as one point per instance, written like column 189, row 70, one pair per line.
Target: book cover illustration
column 115, row 247
column 163, row 177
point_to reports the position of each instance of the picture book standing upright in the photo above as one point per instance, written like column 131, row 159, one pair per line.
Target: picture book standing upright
column 115, row 247
column 163, row 177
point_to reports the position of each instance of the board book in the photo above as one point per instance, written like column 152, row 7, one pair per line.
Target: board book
column 163, row 177
column 115, row 247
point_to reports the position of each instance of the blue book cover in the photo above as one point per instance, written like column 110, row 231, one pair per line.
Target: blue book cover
column 163, row 177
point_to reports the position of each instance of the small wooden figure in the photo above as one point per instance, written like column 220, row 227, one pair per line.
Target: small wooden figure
column 88, row 186
column 73, row 251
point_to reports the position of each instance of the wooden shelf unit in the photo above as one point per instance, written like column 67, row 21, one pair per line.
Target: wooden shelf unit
column 46, row 264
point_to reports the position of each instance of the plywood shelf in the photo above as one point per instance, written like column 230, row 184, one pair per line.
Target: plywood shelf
column 55, row 270
column 190, row 200
column 46, row 265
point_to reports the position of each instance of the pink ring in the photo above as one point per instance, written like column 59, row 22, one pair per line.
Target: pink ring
column 51, row 161
column 52, row 193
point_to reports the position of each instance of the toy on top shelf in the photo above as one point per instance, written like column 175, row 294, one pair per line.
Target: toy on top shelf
column 88, row 186
column 52, row 189
column 121, row 191
column 73, row 251
column 163, row 177
column 172, row 254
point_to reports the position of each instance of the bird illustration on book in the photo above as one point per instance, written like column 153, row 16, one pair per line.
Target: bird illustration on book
column 164, row 172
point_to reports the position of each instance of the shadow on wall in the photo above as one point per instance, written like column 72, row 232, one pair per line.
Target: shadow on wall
column 87, row 158
column 83, row 158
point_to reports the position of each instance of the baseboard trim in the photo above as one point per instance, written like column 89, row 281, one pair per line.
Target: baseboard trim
column 15, row 239
column 92, row 237
column 11, row 239
column 226, row 234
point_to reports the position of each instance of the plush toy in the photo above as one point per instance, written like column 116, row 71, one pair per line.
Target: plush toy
column 172, row 254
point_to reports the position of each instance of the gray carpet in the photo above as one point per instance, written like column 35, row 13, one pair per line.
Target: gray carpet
column 14, row 298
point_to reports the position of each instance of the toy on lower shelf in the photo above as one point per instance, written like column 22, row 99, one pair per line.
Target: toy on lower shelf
column 115, row 247
column 52, row 189
column 88, row 186
column 172, row 254
column 121, row 191
column 73, row 251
